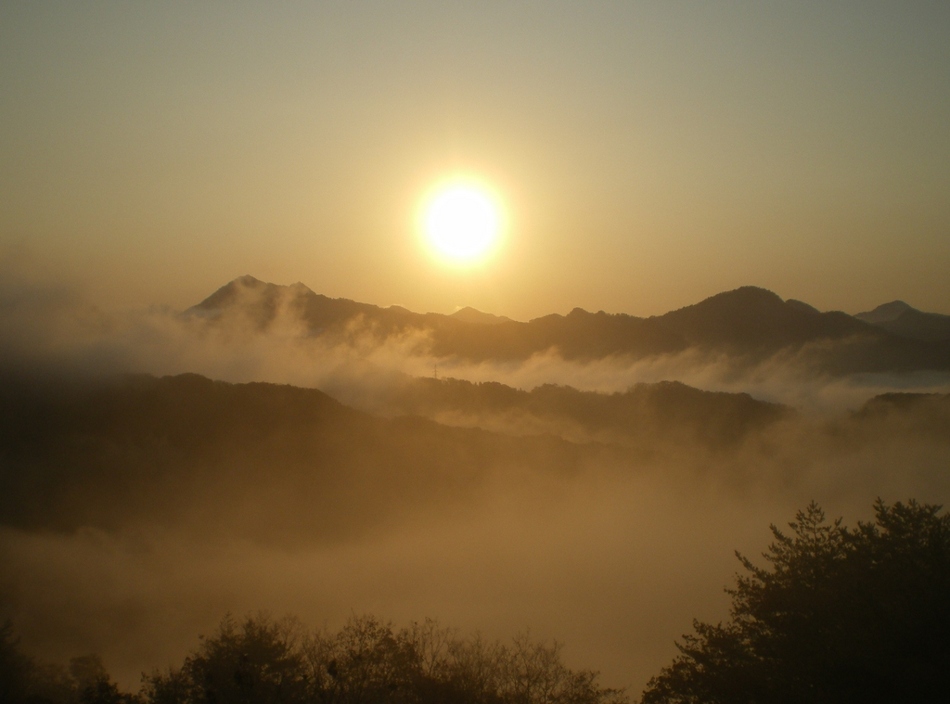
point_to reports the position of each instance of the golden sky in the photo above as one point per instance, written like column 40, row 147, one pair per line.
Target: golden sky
column 648, row 154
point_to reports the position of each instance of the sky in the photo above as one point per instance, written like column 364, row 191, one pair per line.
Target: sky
column 648, row 154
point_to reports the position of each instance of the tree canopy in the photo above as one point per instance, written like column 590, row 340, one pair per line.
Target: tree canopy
column 838, row 615
column 262, row 661
column 259, row 660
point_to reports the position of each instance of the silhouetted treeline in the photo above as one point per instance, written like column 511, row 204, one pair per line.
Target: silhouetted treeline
column 24, row 680
column 262, row 661
column 839, row 614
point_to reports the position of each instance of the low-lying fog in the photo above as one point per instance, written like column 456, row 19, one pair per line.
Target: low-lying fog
column 42, row 323
column 614, row 559
column 613, row 566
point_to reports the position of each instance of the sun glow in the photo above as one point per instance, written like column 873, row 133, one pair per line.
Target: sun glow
column 462, row 222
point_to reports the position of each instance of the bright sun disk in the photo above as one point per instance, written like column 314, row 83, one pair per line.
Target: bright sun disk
column 462, row 222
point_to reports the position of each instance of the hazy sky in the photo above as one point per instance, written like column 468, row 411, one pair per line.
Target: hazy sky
column 649, row 153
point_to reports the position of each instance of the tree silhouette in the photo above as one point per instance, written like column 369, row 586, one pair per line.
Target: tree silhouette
column 839, row 615
column 15, row 667
column 23, row 680
column 260, row 661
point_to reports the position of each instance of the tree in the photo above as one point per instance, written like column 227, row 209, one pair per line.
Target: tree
column 369, row 662
column 365, row 662
column 24, row 680
column 839, row 615
column 92, row 684
column 15, row 667
column 255, row 662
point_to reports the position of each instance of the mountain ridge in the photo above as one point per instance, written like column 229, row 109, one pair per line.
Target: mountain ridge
column 170, row 449
column 901, row 319
column 748, row 322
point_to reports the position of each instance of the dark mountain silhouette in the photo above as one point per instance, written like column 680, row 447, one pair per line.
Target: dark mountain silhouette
column 470, row 315
column 748, row 323
column 801, row 305
column 884, row 313
column 260, row 303
column 255, row 459
column 901, row 319
column 754, row 323
column 645, row 416
column 277, row 461
column 579, row 335
column 284, row 463
column 752, row 319
column 920, row 414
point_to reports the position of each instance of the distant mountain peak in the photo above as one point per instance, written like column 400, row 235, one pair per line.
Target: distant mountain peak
column 227, row 293
column 472, row 315
column 752, row 318
column 742, row 298
column 885, row 312
column 748, row 294
column 749, row 321
column 901, row 319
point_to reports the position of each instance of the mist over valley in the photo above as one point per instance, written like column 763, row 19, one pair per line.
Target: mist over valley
column 586, row 476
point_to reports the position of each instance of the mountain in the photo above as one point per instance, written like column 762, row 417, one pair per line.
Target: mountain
column 470, row 315
column 884, row 313
column 644, row 417
column 751, row 318
column 281, row 463
column 255, row 460
column 260, row 304
column 579, row 335
column 901, row 319
column 916, row 416
column 750, row 323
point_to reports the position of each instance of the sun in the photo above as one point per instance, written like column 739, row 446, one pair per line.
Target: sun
column 462, row 221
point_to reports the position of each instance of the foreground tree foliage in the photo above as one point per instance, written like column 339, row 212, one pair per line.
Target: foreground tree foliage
column 25, row 681
column 839, row 615
column 276, row 662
